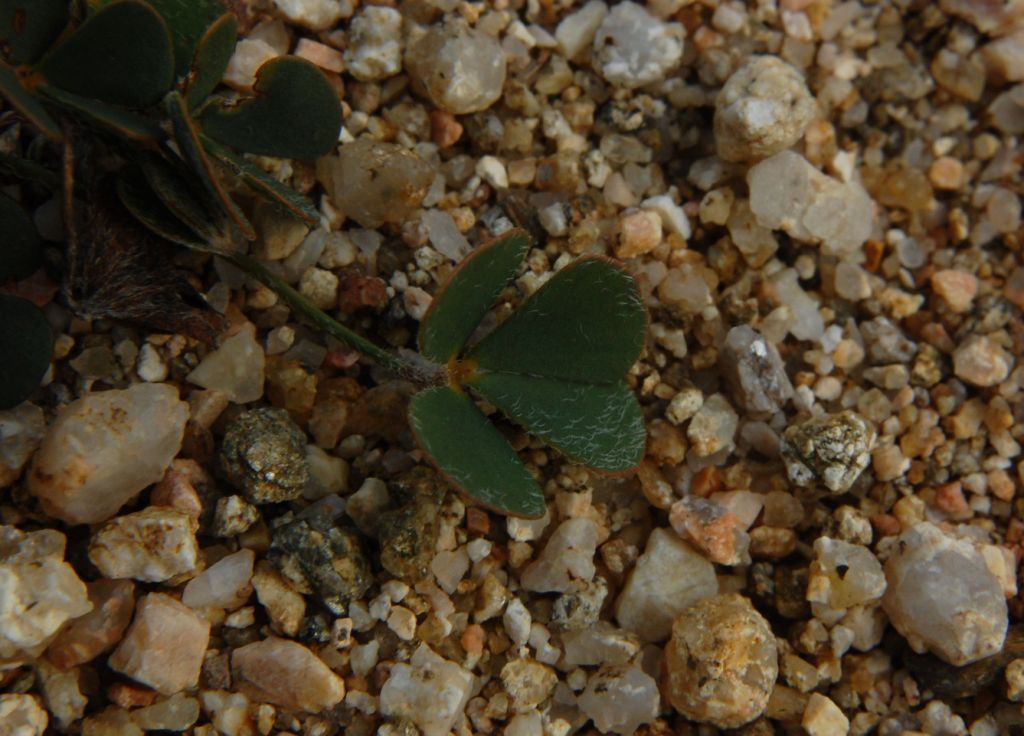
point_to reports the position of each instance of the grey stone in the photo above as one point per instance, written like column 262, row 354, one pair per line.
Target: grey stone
column 755, row 371
column 319, row 556
column 833, row 450
column 264, row 455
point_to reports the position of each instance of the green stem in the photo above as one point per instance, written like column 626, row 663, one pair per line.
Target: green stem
column 303, row 306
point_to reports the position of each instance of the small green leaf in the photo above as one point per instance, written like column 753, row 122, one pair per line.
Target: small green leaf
column 146, row 207
column 213, row 52
column 124, row 122
column 28, row 27
column 186, row 135
column 295, row 113
column 22, row 249
column 26, row 342
column 122, row 55
column 173, row 189
column 187, row 20
column 469, row 293
column 586, row 324
column 30, row 171
column 263, row 184
column 26, row 103
column 598, row 425
column 471, row 452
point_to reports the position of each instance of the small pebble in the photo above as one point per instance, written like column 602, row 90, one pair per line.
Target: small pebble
column 164, row 646
column 721, row 662
column 822, row 717
column 957, row 288
column 981, row 362
column 763, row 108
column 633, row 48
column 285, row 673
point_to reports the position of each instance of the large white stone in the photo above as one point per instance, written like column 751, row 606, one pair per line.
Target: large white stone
column 942, row 596
column 458, row 68
column 21, row 715
column 844, row 575
column 106, row 447
column 763, row 108
column 375, row 44
column 39, row 593
column 225, row 584
column 668, row 577
column 152, row 545
column 236, row 368
column 633, row 48
column 788, row 193
column 568, row 555
column 430, row 691
column 619, row 699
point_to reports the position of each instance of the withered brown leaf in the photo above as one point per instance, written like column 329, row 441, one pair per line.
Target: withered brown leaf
column 120, row 270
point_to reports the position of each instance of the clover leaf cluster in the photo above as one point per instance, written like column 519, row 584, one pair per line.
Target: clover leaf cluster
column 143, row 75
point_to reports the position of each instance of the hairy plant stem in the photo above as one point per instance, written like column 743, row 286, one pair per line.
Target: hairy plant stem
column 302, row 305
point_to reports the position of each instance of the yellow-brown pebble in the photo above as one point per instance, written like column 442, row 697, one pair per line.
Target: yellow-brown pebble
column 639, row 233
column 957, row 288
column 946, row 173
column 721, row 662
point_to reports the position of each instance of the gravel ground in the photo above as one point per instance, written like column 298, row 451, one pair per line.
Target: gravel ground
column 821, row 203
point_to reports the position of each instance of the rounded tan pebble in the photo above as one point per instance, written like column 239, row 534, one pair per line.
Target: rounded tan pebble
column 957, row 288
column 822, row 717
column 445, row 129
column 764, row 108
column 639, row 233
column 721, row 662
column 22, row 715
column 946, row 173
column 981, row 362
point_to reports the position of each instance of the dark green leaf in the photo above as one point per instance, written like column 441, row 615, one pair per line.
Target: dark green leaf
column 213, row 52
column 21, row 252
column 121, row 55
column 471, row 452
column 31, row 171
column 187, row 20
column 263, row 184
column 28, row 27
column 187, row 137
column 586, row 324
column 124, row 122
column 26, row 103
column 598, row 425
column 469, row 293
column 26, row 342
column 295, row 114
column 178, row 196
column 146, row 207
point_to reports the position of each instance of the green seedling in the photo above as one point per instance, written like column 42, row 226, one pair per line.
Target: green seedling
column 136, row 69
column 142, row 75
column 555, row 367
